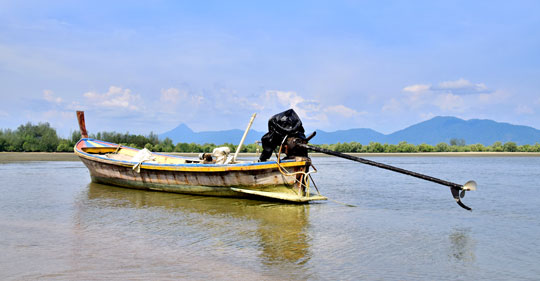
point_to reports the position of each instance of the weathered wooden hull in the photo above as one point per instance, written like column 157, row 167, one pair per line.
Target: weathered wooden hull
column 232, row 180
column 204, row 183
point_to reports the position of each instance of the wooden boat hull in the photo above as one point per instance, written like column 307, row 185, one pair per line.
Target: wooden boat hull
column 230, row 180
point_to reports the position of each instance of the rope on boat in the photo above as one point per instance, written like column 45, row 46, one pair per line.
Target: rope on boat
column 316, row 188
column 142, row 156
column 305, row 176
column 304, row 182
column 344, row 204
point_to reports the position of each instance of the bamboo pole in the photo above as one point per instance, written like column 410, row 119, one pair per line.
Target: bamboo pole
column 243, row 137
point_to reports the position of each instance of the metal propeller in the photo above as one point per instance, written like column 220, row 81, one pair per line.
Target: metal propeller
column 470, row 185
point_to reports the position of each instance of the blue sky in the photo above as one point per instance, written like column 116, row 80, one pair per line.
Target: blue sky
column 151, row 65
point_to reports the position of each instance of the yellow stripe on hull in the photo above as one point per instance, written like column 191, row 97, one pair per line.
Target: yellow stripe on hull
column 186, row 168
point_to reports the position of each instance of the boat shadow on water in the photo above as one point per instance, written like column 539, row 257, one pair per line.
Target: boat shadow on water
column 279, row 229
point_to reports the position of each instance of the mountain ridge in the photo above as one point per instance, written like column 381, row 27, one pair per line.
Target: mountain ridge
column 435, row 130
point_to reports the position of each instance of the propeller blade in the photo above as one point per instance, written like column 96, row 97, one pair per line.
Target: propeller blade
column 470, row 185
column 463, row 205
column 456, row 194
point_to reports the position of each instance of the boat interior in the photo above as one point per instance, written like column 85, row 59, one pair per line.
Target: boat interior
column 123, row 153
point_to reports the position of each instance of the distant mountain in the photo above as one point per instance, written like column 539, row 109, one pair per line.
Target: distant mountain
column 363, row 136
column 433, row 131
column 486, row 132
column 183, row 133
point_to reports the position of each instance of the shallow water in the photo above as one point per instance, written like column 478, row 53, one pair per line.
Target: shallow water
column 55, row 224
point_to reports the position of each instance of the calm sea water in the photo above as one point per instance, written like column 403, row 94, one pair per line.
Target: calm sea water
column 56, row 225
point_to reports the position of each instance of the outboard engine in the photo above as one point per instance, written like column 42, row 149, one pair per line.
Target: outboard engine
column 284, row 128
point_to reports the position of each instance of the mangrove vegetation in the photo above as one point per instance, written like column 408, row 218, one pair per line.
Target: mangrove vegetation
column 43, row 138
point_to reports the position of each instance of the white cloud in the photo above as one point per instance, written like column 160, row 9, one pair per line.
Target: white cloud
column 453, row 96
column 449, row 102
column 418, row 93
column 242, row 102
column 213, row 109
column 116, row 97
column 343, row 111
column 48, row 95
column 416, row 96
column 460, row 83
column 493, row 97
column 523, row 110
column 417, row 88
column 393, row 105
column 419, row 99
column 172, row 95
column 289, row 99
column 461, row 87
column 309, row 110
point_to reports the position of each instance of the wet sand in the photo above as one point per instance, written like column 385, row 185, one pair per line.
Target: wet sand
column 37, row 156
column 69, row 156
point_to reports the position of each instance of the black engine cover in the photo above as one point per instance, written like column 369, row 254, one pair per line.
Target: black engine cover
column 281, row 125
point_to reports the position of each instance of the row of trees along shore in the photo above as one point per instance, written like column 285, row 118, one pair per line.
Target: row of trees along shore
column 43, row 138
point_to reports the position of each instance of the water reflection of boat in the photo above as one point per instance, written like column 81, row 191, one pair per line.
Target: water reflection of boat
column 280, row 228
column 123, row 166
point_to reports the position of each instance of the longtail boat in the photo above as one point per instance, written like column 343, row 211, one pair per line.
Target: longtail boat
column 115, row 164
column 287, row 179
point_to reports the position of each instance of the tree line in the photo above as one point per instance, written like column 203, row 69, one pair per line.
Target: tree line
column 43, row 138
column 404, row 147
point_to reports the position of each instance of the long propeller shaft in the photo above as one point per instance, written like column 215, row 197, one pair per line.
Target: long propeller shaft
column 454, row 187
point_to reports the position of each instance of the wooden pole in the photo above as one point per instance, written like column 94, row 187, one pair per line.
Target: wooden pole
column 243, row 137
column 82, row 125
